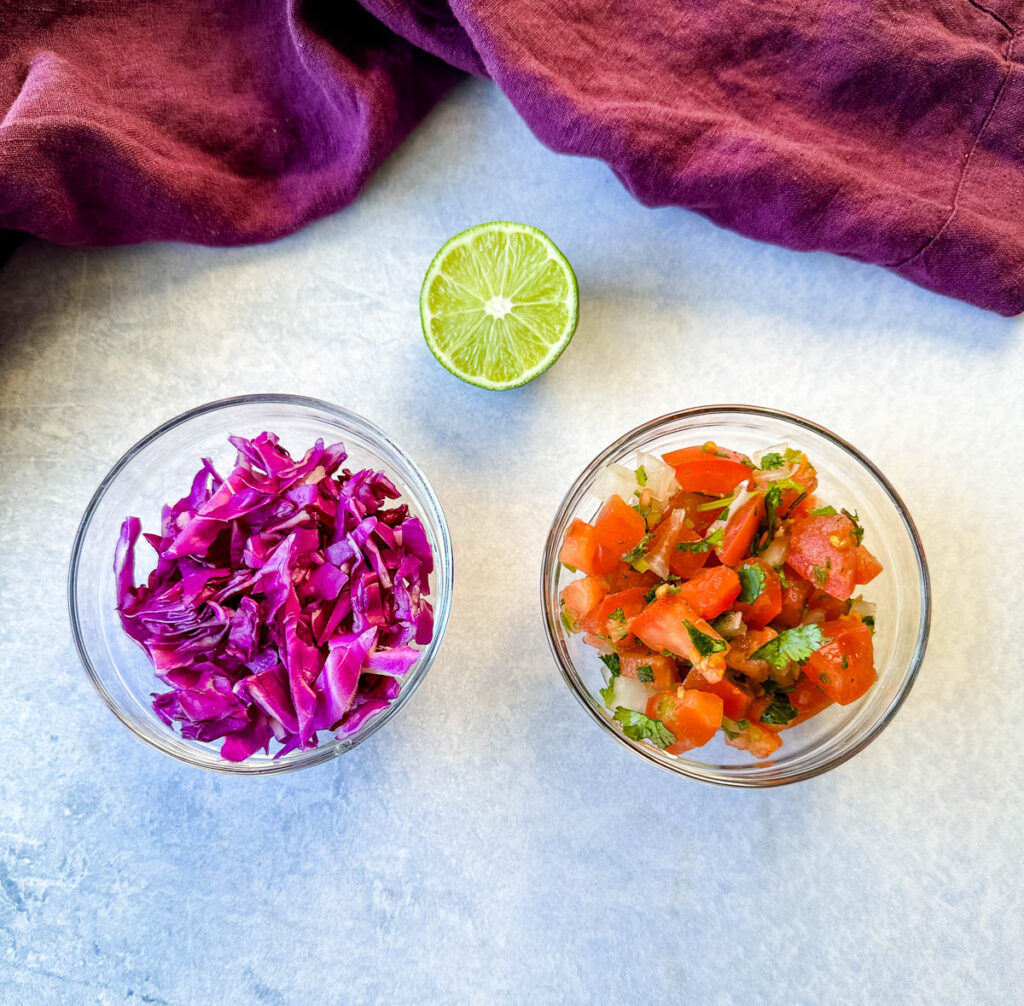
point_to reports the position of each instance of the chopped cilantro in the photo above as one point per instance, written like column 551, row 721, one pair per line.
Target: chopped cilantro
column 618, row 615
column 858, row 531
column 845, row 663
column 791, row 644
column 781, row 710
column 752, row 583
column 568, row 622
column 772, row 499
column 743, row 724
column 747, row 463
column 572, row 569
column 783, row 579
column 639, row 550
column 641, row 476
column 824, row 678
column 638, row 727
column 650, row 595
column 704, row 644
column 721, row 454
column 770, row 461
column 712, row 504
column 823, row 511
column 869, row 621
column 820, row 574
column 645, row 673
column 704, row 544
column 608, row 694
column 613, row 663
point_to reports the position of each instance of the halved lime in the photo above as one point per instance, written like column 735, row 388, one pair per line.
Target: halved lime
column 499, row 304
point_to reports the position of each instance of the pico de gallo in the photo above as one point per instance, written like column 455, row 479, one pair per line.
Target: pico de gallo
column 719, row 593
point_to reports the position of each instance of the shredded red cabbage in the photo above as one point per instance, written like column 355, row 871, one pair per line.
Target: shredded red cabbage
column 284, row 602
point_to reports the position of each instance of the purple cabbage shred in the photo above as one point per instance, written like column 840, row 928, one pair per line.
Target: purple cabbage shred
column 284, row 601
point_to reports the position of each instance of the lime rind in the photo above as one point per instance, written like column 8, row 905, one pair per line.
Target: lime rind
column 499, row 304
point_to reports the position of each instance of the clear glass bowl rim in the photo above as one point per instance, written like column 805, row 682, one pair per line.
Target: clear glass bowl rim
column 549, row 569
column 443, row 583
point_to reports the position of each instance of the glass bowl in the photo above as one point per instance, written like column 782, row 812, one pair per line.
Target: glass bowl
column 901, row 592
column 158, row 470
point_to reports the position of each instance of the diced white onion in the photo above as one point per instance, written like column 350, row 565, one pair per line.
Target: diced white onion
column 775, row 554
column 734, row 507
column 661, row 478
column 615, row 480
column 730, row 626
column 629, row 693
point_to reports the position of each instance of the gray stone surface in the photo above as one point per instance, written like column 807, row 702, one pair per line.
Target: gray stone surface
column 491, row 846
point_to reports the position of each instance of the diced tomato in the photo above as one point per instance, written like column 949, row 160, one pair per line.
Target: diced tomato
column 581, row 550
column 808, row 700
column 768, row 603
column 685, row 563
column 618, row 526
column 823, row 551
column 818, row 600
column 794, row 598
column 663, row 669
column 600, row 643
column 660, row 549
column 738, row 655
column 693, row 716
column 696, row 518
column 760, row 741
column 601, row 621
column 804, row 507
column 624, row 576
column 711, row 591
column 735, row 700
column 662, row 625
column 581, row 597
column 843, row 668
column 709, row 469
column 740, row 531
column 868, row 567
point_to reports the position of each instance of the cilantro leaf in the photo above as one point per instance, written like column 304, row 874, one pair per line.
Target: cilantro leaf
column 608, row 694
column 783, row 579
column 869, row 621
column 781, row 710
column 613, row 663
column 638, row 727
column 791, row 644
column 641, row 476
column 858, row 531
column 823, row 511
column 772, row 499
column 733, row 728
column 650, row 595
column 770, row 461
column 752, row 583
column 821, row 575
column 704, row 644
column 618, row 616
column 713, row 540
column 645, row 673
column 639, row 550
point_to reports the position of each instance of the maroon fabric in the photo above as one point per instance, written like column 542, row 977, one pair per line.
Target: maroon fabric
column 886, row 130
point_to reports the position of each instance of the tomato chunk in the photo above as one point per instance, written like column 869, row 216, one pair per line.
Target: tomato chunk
column 740, row 531
column 624, row 576
column 693, row 716
column 794, row 598
column 823, row 550
column 691, row 504
column 738, row 656
column 581, row 597
column 612, row 617
column 663, row 626
column 868, row 567
column 808, row 700
column 581, row 550
column 664, row 674
column 768, row 603
column 735, row 699
column 711, row 591
column 843, row 668
column 684, row 562
column 760, row 741
column 709, row 469
column 618, row 526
